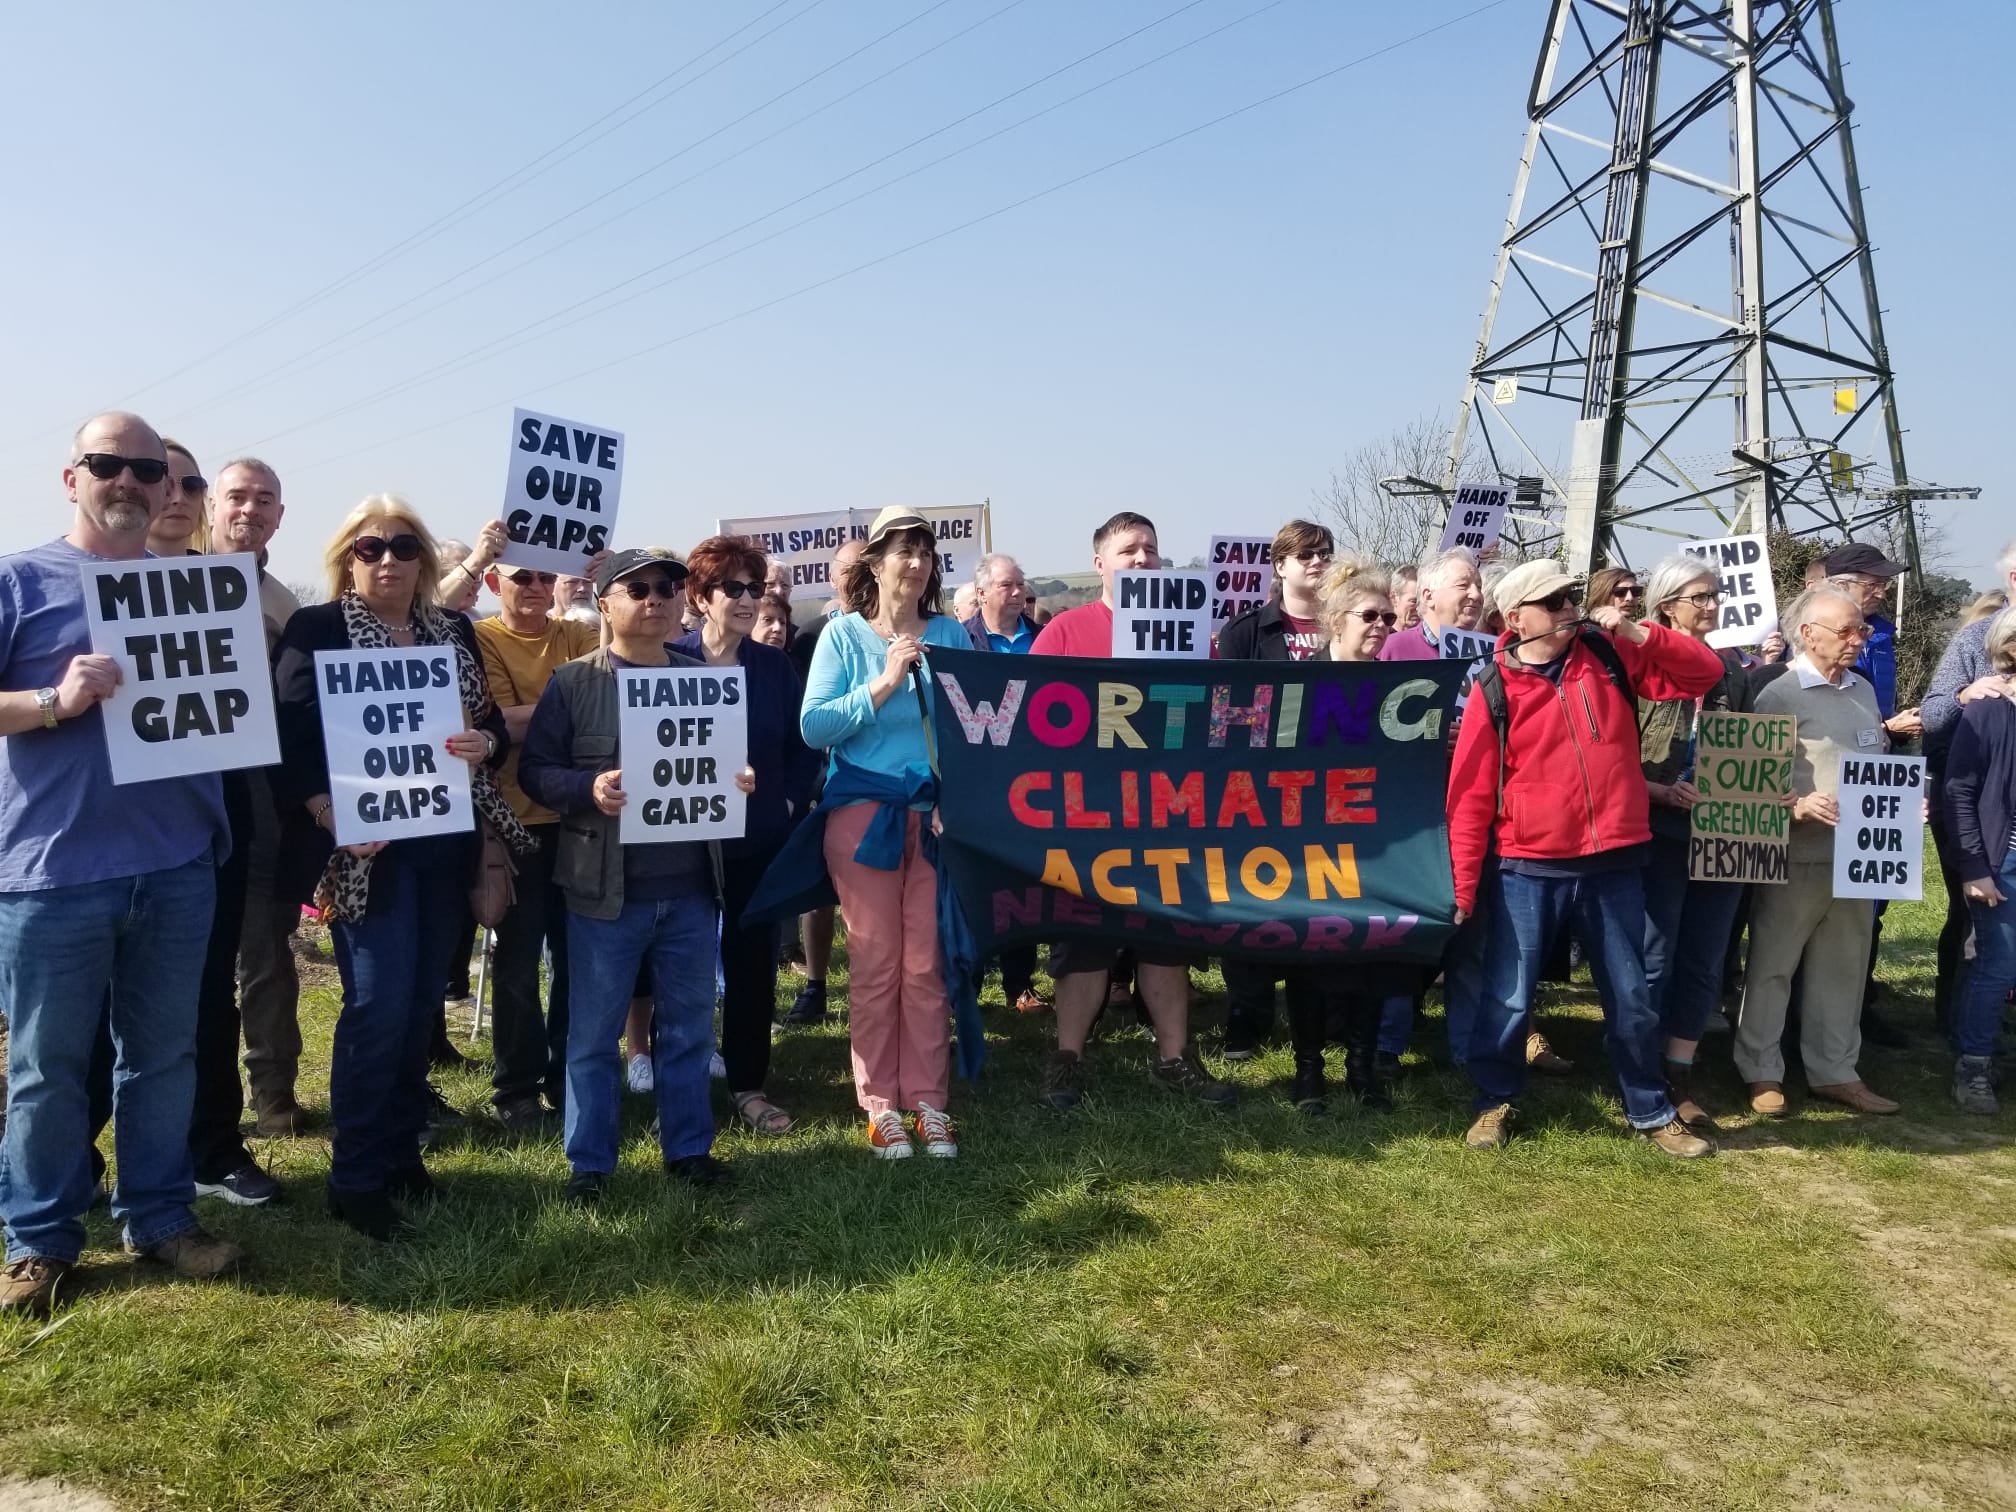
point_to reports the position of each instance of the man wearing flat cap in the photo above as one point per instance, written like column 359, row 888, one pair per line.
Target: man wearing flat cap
column 1547, row 773
column 1867, row 575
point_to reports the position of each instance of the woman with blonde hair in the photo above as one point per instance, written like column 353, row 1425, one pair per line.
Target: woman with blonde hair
column 394, row 908
column 181, row 528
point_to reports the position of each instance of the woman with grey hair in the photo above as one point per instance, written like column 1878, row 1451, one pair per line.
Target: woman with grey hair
column 1687, row 923
column 1978, row 796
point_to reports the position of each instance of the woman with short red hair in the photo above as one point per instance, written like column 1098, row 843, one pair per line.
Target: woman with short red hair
column 724, row 584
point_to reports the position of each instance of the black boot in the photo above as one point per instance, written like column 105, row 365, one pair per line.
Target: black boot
column 1309, row 1088
column 1361, row 1066
column 372, row 1214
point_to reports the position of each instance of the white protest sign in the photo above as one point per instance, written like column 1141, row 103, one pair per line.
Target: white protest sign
column 1242, row 576
column 195, row 692
column 1472, row 646
column 1476, row 516
column 683, row 735
column 386, row 717
column 561, row 495
column 1879, row 843
column 804, row 543
column 1749, row 609
column 1161, row 614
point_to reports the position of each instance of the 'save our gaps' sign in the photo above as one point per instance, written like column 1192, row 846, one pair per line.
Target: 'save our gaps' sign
column 1161, row 614
column 1242, row 576
column 561, row 494
column 195, row 693
column 1879, row 842
column 683, row 735
column 1739, row 832
column 386, row 716
column 1749, row 608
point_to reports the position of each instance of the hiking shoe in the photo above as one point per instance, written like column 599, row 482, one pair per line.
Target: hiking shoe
column 278, row 1117
column 524, row 1116
column 639, row 1077
column 1186, row 1074
column 586, row 1188
column 809, row 1007
column 698, row 1170
column 248, row 1186
column 1031, row 1001
column 1492, row 1129
column 935, row 1129
column 1680, row 1091
column 195, row 1252
column 888, row 1138
column 29, row 1285
column 1974, row 1084
column 1541, row 1057
column 1063, row 1080
column 1677, row 1140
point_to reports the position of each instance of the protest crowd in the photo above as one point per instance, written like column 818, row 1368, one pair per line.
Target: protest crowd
column 427, row 776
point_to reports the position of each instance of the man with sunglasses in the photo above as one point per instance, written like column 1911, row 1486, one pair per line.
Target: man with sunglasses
column 105, row 893
column 523, row 646
column 1559, row 793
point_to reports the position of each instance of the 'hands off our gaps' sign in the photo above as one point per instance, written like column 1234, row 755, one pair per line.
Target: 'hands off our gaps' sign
column 1161, row 614
column 560, row 499
column 386, row 716
column 1879, row 843
column 195, row 694
column 682, row 736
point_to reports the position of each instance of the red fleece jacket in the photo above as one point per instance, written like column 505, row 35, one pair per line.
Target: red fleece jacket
column 1568, row 782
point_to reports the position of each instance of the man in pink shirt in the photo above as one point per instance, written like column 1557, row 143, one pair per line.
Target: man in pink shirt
column 1080, row 968
column 1452, row 593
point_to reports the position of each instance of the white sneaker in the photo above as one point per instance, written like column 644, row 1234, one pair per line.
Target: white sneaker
column 717, row 1068
column 888, row 1138
column 935, row 1129
column 640, row 1077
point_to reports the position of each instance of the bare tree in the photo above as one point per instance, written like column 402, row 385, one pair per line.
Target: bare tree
column 1373, row 522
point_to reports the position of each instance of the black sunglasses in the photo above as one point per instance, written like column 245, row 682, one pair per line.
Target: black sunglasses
column 369, row 549
column 1554, row 603
column 664, row 588
column 735, row 590
column 525, row 579
column 1625, row 590
column 194, row 483
column 105, row 466
column 1384, row 617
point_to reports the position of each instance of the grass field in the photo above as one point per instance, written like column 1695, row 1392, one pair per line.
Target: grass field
column 1138, row 1305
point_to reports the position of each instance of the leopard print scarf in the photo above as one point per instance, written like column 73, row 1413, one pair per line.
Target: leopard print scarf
column 345, row 888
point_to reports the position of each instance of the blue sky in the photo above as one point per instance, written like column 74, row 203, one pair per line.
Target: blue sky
column 1201, row 334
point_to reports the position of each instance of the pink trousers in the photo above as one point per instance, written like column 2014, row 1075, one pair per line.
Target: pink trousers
column 897, row 1014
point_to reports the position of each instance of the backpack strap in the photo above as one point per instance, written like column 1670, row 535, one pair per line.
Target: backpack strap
column 1605, row 651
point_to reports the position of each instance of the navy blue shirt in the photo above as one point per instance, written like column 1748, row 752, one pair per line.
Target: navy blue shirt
column 787, row 769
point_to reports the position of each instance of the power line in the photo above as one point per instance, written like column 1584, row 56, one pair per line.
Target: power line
column 301, row 363
column 503, row 187
column 510, row 340
column 922, row 242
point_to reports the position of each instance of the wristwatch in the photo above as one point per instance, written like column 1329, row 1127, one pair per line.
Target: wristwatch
column 45, row 700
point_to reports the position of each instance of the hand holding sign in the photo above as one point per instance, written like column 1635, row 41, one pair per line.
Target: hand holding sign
column 86, row 681
column 608, row 793
column 684, row 737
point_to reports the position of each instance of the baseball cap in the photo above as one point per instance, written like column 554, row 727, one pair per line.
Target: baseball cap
column 1529, row 581
column 636, row 559
column 896, row 518
column 1860, row 559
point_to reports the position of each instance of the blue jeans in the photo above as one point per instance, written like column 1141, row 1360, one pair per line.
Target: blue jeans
column 1609, row 913
column 394, row 962
column 1687, row 927
column 1396, row 1025
column 1992, row 972
column 677, row 936
column 1463, row 966
column 64, row 952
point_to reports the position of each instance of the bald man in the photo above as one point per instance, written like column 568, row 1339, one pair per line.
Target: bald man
column 106, row 897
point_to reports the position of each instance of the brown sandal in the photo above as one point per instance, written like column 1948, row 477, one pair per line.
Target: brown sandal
column 771, row 1119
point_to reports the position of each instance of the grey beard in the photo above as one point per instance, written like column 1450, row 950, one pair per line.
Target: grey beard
column 122, row 516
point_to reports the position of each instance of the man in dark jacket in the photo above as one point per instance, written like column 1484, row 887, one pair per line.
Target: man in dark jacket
column 1560, row 792
column 1002, row 622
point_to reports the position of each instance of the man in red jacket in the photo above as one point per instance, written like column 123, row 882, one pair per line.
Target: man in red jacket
column 1561, row 793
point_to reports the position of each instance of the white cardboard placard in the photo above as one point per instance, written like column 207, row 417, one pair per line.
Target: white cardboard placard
column 386, row 716
column 1161, row 615
column 561, row 493
column 1879, row 841
column 805, row 543
column 1242, row 576
column 683, row 735
column 1476, row 516
column 1749, row 609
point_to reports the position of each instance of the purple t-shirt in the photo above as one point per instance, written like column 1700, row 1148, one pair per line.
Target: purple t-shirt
column 62, row 821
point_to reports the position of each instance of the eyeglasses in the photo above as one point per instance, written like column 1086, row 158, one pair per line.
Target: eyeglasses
column 1554, row 603
column 1625, row 590
column 1848, row 632
column 193, row 482
column 664, row 588
column 735, row 590
column 370, row 549
column 105, row 466
column 1384, row 617
column 1706, row 599
column 526, row 579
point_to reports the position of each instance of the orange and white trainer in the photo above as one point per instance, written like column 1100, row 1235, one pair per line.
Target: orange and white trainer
column 935, row 1129
column 888, row 1138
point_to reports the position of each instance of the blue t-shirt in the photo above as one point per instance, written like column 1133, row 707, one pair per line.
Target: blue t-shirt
column 839, row 713
column 62, row 822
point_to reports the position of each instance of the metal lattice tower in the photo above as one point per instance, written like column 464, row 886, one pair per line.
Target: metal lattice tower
column 1682, row 336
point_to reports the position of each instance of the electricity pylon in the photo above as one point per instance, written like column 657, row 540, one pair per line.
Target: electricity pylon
column 1682, row 335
